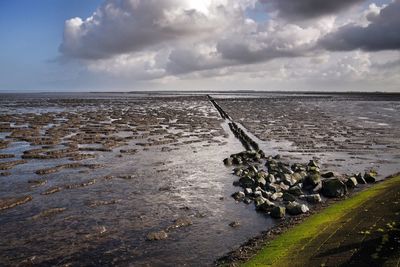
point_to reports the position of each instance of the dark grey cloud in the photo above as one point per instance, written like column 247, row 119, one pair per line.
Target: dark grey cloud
column 307, row 9
column 383, row 33
column 124, row 26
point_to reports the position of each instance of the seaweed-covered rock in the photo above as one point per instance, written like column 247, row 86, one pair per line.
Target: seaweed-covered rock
column 333, row 187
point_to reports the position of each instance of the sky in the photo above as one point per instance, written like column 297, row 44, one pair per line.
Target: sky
column 135, row 45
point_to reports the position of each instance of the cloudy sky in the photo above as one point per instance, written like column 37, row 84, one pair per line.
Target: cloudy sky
column 125, row 45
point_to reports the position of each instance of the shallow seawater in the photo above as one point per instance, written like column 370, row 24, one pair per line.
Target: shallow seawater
column 131, row 164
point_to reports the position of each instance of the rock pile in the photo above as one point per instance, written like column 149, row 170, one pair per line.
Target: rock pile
column 277, row 187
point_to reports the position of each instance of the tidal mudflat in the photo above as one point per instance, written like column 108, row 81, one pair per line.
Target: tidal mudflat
column 101, row 179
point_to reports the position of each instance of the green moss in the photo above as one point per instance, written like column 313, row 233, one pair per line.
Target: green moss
column 277, row 251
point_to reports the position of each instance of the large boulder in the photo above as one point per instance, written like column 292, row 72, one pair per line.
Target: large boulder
column 275, row 196
column 298, row 176
column 228, row 161
column 288, row 197
column 270, row 178
column 351, row 182
column 264, row 204
column 333, row 187
column 360, row 178
column 261, row 181
column 238, row 196
column 295, row 190
column 312, row 180
column 295, row 208
column 329, row 174
column 278, row 212
column 370, row 177
column 246, row 182
column 314, row 198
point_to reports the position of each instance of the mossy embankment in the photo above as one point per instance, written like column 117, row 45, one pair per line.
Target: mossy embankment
column 360, row 228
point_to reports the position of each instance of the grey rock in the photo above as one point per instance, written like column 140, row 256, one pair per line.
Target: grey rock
column 333, row 187
column 278, row 212
column 248, row 191
column 295, row 190
column 275, row 196
column 238, row 195
column 329, row 174
column 246, row 181
column 288, row 197
column 351, row 182
column 360, row 178
column 313, row 179
column 370, row 177
column 154, row 236
column 261, row 181
column 234, row 224
column 314, row 198
column 265, row 205
column 228, row 161
column 247, row 200
column 295, row 208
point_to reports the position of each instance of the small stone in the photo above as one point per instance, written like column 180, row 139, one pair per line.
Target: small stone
column 247, row 200
column 238, row 195
column 248, row 191
column 228, row 161
column 154, row 236
column 234, row 224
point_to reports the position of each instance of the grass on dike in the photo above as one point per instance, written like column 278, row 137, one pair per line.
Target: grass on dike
column 276, row 251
